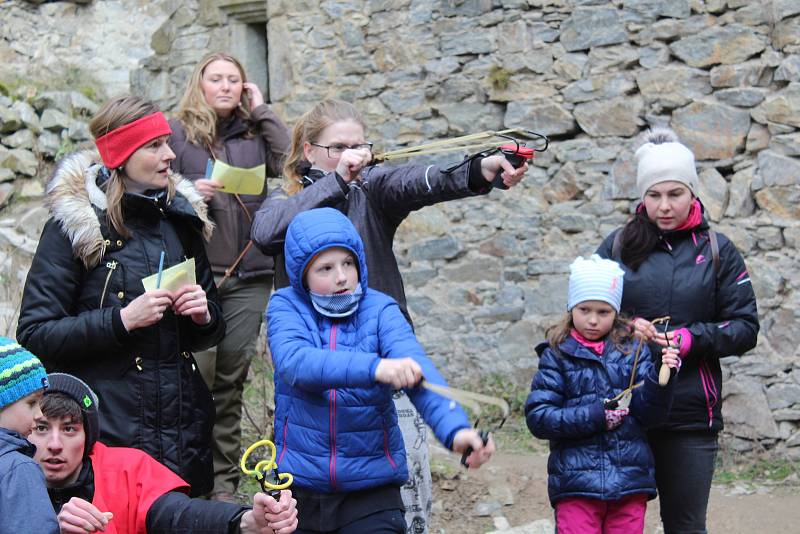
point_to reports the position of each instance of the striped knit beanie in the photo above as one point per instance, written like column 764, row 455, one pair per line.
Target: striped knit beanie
column 595, row 279
column 21, row 373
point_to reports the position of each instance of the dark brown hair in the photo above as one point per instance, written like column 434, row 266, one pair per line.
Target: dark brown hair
column 57, row 405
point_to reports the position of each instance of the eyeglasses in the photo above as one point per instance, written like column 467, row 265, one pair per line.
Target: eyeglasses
column 334, row 151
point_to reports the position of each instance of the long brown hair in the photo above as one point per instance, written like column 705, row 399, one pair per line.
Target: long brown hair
column 621, row 333
column 113, row 114
column 198, row 118
column 307, row 130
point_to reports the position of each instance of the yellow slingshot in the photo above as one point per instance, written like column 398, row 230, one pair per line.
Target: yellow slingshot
column 280, row 480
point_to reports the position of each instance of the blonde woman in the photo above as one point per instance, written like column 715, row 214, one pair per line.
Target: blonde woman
column 326, row 167
column 116, row 217
column 223, row 117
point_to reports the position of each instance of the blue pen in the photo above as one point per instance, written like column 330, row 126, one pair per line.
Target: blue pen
column 160, row 270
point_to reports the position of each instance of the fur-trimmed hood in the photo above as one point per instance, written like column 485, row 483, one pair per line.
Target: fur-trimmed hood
column 74, row 199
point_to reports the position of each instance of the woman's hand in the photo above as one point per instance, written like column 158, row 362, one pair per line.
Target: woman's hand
column 269, row 516
column 351, row 162
column 469, row 437
column 207, row 188
column 81, row 516
column 146, row 309
column 670, row 358
column 511, row 176
column 191, row 300
column 646, row 331
column 399, row 373
column 253, row 94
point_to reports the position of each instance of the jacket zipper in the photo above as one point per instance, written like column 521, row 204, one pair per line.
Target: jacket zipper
column 111, row 266
column 332, row 409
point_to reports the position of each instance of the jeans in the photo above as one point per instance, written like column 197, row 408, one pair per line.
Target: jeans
column 684, row 469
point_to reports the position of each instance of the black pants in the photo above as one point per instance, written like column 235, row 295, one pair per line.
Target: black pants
column 684, row 469
column 385, row 522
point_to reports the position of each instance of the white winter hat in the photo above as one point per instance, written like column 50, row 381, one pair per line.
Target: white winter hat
column 595, row 279
column 663, row 158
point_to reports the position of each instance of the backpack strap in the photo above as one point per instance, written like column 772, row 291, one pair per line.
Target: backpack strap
column 616, row 246
column 712, row 239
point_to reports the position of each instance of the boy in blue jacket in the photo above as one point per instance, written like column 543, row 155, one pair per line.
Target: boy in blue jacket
column 24, row 504
column 339, row 350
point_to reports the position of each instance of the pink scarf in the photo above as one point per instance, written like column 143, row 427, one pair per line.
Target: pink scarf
column 596, row 346
column 694, row 218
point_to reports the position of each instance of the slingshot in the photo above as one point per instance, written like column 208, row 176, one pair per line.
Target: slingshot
column 472, row 401
column 278, row 481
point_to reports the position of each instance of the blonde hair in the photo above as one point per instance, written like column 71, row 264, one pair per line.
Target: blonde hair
column 621, row 333
column 113, row 114
column 198, row 118
column 307, row 130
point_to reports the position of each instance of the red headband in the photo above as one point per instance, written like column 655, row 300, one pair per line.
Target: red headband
column 117, row 145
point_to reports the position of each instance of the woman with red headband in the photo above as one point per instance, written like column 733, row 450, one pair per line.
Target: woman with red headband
column 223, row 117
column 116, row 218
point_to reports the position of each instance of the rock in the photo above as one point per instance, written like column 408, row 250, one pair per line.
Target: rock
column 502, row 493
column 32, row 222
column 476, row 269
column 596, row 87
column 778, row 170
column 718, row 45
column 6, row 190
column 747, row 73
column 782, row 9
column 783, row 396
column 616, row 116
column 588, row 27
column 540, row 526
column 21, row 162
column 713, row 191
column 787, row 144
column 10, row 121
column 563, row 186
column 570, row 66
column 28, row 115
column 745, row 410
column 769, row 238
column 20, row 139
column 547, row 296
column 501, row 523
column 468, row 117
column 712, row 130
column 606, row 58
column 446, row 247
column 740, row 199
column 789, row 70
column 55, row 121
column 497, row 314
column 653, row 56
column 6, row 175
column 745, row 97
column 52, row 99
column 81, row 104
column 485, row 509
column 678, row 9
column 516, row 341
column 757, row 138
column 454, row 44
column 786, row 34
column 548, row 118
column 49, row 143
column 621, row 183
column 31, row 189
column 782, row 107
column 14, row 239
column 672, row 87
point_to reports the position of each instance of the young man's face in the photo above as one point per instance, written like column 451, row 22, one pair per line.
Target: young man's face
column 59, row 448
column 19, row 415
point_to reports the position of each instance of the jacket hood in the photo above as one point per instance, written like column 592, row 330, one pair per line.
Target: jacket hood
column 315, row 230
column 74, row 199
column 12, row 441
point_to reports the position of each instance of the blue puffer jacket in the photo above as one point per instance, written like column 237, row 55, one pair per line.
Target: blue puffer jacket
column 335, row 427
column 566, row 406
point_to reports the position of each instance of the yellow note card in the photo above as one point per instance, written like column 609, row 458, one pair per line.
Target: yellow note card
column 173, row 278
column 238, row 179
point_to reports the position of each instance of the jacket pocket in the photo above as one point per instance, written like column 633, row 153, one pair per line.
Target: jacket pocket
column 386, row 449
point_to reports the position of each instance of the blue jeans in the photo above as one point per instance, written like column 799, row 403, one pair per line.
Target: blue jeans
column 385, row 522
column 684, row 469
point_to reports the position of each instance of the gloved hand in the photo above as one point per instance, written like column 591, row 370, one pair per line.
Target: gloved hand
column 614, row 418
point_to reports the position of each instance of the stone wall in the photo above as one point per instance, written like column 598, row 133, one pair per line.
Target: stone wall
column 486, row 276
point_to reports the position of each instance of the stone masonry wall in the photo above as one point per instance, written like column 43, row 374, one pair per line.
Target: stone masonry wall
column 486, row 276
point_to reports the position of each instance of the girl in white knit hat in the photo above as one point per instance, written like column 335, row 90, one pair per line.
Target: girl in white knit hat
column 594, row 394
column 676, row 265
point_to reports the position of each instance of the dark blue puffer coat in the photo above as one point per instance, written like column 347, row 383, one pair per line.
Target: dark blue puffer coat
column 335, row 427
column 566, row 406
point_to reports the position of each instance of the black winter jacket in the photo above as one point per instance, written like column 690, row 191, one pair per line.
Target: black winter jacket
column 376, row 205
column 719, row 309
column 151, row 395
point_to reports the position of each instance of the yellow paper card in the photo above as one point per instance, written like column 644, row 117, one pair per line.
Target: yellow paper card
column 238, row 179
column 173, row 278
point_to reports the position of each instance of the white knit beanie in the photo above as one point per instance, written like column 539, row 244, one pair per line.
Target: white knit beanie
column 595, row 279
column 663, row 158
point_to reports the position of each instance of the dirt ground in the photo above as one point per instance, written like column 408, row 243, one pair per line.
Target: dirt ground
column 521, row 477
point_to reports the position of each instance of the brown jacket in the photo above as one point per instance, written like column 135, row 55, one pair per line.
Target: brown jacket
column 235, row 147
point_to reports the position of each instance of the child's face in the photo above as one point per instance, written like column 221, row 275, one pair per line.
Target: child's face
column 325, row 152
column 59, row 448
column 19, row 415
column 593, row 319
column 333, row 271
